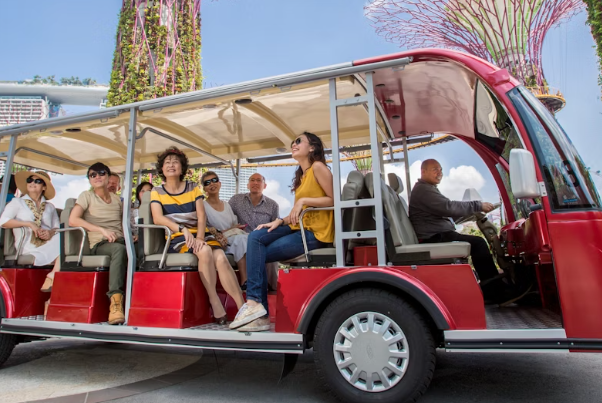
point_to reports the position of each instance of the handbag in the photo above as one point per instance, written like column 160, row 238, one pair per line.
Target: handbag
column 219, row 237
column 234, row 231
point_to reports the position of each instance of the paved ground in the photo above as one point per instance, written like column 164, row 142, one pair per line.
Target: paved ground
column 250, row 377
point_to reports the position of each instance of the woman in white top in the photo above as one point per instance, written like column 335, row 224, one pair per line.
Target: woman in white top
column 221, row 217
column 33, row 214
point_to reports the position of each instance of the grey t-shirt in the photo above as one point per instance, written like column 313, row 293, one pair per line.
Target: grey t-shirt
column 432, row 213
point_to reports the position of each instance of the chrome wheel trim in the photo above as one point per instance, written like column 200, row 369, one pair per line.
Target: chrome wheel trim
column 371, row 352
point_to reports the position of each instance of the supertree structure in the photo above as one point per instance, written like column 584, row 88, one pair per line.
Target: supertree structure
column 508, row 33
column 158, row 50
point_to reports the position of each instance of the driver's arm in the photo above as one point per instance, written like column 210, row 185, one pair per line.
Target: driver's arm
column 436, row 203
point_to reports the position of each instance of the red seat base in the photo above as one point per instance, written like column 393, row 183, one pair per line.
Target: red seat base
column 24, row 285
column 79, row 297
column 169, row 299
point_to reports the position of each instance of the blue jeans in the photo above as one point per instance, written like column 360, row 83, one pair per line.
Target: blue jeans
column 266, row 247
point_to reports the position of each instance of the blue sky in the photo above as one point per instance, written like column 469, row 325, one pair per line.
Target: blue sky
column 248, row 39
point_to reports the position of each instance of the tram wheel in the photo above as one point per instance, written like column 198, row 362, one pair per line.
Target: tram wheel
column 371, row 345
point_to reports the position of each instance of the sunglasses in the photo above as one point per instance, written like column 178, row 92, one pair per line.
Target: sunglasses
column 37, row 181
column 93, row 174
column 297, row 141
column 210, row 181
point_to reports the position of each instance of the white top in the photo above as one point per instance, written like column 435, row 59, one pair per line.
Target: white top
column 17, row 209
column 221, row 220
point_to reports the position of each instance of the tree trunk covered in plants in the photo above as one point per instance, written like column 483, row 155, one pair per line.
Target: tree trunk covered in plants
column 158, row 50
column 594, row 19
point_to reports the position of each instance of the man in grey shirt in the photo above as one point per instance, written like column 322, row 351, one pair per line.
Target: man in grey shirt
column 432, row 216
column 253, row 209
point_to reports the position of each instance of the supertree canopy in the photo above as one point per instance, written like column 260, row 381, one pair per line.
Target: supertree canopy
column 158, row 50
column 508, row 33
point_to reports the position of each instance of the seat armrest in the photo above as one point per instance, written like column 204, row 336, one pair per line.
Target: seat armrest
column 81, row 246
column 168, row 234
column 302, row 229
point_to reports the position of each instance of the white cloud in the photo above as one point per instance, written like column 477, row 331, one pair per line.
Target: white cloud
column 70, row 189
column 459, row 179
column 271, row 191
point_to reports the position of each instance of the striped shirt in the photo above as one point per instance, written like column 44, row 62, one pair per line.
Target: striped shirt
column 180, row 208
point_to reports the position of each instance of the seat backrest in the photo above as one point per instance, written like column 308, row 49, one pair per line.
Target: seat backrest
column 153, row 238
column 400, row 227
column 72, row 239
column 357, row 218
column 397, row 186
column 9, row 242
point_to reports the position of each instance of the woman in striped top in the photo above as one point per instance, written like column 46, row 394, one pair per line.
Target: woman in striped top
column 177, row 204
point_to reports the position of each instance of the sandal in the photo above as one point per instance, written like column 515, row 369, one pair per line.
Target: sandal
column 222, row 321
column 47, row 287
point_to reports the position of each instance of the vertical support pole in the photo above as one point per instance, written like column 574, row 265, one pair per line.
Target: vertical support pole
column 406, row 162
column 377, row 171
column 336, row 174
column 237, row 176
column 127, row 196
column 8, row 170
column 139, row 177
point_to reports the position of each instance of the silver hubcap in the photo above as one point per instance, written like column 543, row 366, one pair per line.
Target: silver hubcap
column 371, row 351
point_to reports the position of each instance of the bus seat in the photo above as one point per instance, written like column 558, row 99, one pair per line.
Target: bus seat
column 153, row 240
column 353, row 219
column 397, row 186
column 402, row 243
column 10, row 251
column 71, row 241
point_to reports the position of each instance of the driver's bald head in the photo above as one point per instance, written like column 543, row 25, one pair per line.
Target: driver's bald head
column 426, row 164
column 431, row 171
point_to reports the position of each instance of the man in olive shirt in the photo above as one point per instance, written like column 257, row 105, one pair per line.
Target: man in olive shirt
column 99, row 212
column 432, row 216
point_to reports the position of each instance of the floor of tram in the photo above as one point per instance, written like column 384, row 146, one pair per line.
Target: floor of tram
column 521, row 317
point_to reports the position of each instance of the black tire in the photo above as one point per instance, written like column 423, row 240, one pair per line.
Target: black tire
column 7, row 344
column 420, row 343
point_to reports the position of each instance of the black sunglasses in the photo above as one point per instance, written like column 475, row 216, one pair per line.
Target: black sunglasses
column 93, row 174
column 210, row 181
column 297, row 141
column 37, row 181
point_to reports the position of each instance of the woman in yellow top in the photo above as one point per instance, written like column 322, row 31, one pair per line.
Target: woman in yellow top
column 178, row 205
column 281, row 239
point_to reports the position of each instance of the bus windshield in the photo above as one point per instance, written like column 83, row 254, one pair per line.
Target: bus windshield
column 566, row 177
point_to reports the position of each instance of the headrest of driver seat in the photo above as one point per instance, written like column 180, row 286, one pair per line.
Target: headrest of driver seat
column 395, row 182
column 354, row 186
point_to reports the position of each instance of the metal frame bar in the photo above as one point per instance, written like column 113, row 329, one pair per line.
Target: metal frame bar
column 185, row 144
column 45, row 154
column 128, row 177
column 82, row 244
column 168, row 234
column 406, row 162
column 303, row 230
column 8, row 170
column 336, row 174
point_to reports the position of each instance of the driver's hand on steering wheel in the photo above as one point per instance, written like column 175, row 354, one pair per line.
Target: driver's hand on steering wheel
column 487, row 207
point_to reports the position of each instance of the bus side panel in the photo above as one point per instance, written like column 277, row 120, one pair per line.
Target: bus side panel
column 577, row 252
column 24, row 285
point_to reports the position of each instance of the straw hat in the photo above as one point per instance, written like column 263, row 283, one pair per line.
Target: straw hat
column 21, row 179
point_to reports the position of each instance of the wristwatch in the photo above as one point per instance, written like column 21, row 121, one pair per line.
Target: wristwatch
column 181, row 228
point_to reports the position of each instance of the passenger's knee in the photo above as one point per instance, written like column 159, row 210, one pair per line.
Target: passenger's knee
column 219, row 257
column 205, row 253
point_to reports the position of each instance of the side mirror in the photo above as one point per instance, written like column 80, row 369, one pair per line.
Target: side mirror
column 522, row 174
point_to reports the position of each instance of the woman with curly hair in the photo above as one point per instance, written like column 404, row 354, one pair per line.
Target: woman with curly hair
column 178, row 205
column 281, row 239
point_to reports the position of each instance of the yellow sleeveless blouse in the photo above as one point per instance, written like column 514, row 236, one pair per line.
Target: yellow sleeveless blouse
column 321, row 223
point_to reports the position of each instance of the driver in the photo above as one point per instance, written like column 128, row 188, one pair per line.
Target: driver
column 432, row 216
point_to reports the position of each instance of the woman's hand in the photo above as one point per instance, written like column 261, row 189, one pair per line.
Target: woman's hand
column 189, row 238
column 44, row 235
column 296, row 211
column 110, row 235
column 34, row 228
column 271, row 225
column 198, row 245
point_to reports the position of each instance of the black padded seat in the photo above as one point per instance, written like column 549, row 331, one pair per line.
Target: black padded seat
column 402, row 243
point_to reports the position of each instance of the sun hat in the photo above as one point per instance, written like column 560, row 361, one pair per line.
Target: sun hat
column 21, row 179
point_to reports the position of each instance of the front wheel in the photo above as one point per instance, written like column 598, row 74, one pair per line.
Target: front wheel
column 370, row 345
column 7, row 343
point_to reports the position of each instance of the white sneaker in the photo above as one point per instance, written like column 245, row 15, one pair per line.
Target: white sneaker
column 258, row 325
column 247, row 314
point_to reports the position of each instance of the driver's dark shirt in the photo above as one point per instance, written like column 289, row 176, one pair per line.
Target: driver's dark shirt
column 431, row 213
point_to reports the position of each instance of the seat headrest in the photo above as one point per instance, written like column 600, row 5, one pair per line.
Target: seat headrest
column 146, row 197
column 70, row 203
column 395, row 182
column 369, row 180
column 354, row 186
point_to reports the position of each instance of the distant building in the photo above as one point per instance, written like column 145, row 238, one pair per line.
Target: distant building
column 229, row 183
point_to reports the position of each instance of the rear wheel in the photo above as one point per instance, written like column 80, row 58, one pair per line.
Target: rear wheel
column 370, row 345
column 7, row 343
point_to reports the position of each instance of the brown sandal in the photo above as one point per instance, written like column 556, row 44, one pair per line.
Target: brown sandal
column 222, row 321
column 47, row 287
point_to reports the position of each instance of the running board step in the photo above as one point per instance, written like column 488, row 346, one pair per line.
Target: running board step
column 210, row 336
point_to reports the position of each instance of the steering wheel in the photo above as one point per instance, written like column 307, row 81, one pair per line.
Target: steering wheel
column 472, row 217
